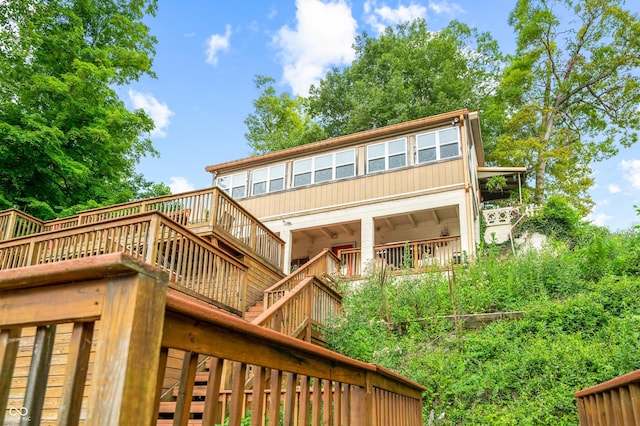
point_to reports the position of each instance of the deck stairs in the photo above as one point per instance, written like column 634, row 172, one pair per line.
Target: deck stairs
column 322, row 265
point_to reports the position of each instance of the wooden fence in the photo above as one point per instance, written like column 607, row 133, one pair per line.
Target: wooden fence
column 140, row 320
column 205, row 210
column 616, row 402
column 191, row 262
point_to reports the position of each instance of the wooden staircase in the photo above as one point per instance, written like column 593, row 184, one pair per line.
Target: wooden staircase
column 254, row 311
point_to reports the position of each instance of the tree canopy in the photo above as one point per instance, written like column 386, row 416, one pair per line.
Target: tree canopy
column 571, row 92
column 279, row 121
column 406, row 73
column 66, row 138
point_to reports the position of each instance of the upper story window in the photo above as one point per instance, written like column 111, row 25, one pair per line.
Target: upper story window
column 324, row 168
column 268, row 179
column 438, row 145
column 386, row 155
column 234, row 185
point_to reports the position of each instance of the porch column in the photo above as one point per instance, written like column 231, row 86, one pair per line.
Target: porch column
column 285, row 235
column 367, row 241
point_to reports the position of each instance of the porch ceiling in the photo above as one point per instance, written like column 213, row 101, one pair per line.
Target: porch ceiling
column 415, row 219
column 329, row 231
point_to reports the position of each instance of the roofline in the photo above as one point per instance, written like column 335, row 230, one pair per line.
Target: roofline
column 333, row 143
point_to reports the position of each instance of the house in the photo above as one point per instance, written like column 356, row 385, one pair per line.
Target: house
column 408, row 194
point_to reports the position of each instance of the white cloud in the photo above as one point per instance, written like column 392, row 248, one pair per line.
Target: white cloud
column 159, row 112
column 614, row 189
column 323, row 37
column 380, row 17
column 599, row 219
column 631, row 172
column 179, row 184
column 440, row 7
column 218, row 43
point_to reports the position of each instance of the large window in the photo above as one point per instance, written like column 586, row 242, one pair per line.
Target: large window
column 234, row 185
column 268, row 179
column 438, row 145
column 324, row 168
column 386, row 155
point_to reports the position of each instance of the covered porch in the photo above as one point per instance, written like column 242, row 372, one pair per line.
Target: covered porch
column 415, row 240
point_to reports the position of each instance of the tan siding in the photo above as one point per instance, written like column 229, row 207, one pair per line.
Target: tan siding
column 411, row 179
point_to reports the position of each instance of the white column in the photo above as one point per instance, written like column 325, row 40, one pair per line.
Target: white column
column 285, row 235
column 464, row 228
column 367, row 241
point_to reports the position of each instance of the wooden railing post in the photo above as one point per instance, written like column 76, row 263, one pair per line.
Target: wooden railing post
column 152, row 237
column 127, row 356
column 11, row 225
column 214, row 208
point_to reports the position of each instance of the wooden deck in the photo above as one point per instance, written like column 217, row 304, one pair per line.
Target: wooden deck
column 207, row 212
column 121, row 318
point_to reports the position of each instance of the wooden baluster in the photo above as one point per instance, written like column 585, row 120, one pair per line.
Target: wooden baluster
column 237, row 393
column 276, row 391
column 76, row 374
column 9, row 342
column 38, row 375
column 290, row 399
column 185, row 391
column 257, row 404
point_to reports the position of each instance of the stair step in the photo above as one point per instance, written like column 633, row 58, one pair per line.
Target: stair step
column 197, row 391
column 169, row 407
column 169, row 422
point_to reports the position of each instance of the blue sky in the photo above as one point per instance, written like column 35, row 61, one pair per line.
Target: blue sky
column 209, row 52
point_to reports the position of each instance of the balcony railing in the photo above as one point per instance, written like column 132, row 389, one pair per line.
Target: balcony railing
column 191, row 262
column 208, row 209
column 616, row 402
column 410, row 255
column 140, row 320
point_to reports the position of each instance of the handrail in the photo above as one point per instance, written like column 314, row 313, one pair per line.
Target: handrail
column 312, row 378
column 616, row 401
column 14, row 224
column 324, row 264
column 191, row 262
column 205, row 207
column 309, row 304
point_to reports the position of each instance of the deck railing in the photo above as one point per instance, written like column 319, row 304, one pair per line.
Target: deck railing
column 302, row 310
column 323, row 265
column 14, row 224
column 140, row 319
column 417, row 255
column 615, row 402
column 191, row 262
column 210, row 208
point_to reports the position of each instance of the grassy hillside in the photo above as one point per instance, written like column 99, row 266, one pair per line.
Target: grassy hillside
column 581, row 326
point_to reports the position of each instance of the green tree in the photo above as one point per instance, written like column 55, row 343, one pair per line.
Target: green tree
column 408, row 73
column 279, row 121
column 66, row 138
column 573, row 91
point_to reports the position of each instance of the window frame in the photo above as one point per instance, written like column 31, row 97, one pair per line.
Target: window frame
column 269, row 179
column 314, row 168
column 386, row 156
column 231, row 187
column 438, row 145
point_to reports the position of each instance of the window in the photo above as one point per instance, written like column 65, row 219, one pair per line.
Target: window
column 234, row 185
column 324, row 168
column 302, row 172
column 269, row 179
column 438, row 145
column 386, row 155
